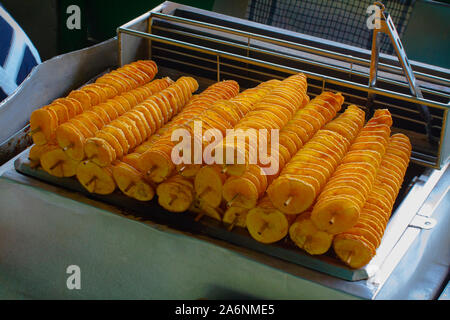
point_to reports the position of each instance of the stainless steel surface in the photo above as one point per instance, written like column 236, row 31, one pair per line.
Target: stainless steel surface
column 122, row 258
column 422, row 256
column 15, row 144
column 40, row 237
column 446, row 293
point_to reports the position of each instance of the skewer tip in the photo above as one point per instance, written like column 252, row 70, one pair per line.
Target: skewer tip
column 288, row 201
column 58, row 163
column 199, row 216
column 129, row 187
column 231, row 202
column 33, row 131
column 91, row 181
column 205, row 191
column 349, row 258
column 233, row 223
column 149, row 171
column 263, row 227
column 67, row 147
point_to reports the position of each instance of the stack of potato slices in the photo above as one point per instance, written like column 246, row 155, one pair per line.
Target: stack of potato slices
column 292, row 192
column 357, row 245
column 129, row 179
column 336, row 177
column 272, row 111
column 72, row 135
column 245, row 190
column 44, row 121
column 57, row 127
column 119, row 138
column 156, row 163
column 338, row 206
column 223, row 115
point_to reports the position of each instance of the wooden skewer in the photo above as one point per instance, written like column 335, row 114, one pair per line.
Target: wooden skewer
column 172, row 199
column 233, row 223
column 182, row 169
column 288, row 201
column 149, row 172
column 91, row 181
column 58, row 163
column 331, row 221
column 199, row 216
column 207, row 189
column 349, row 258
column 129, row 187
column 68, row 147
column 230, row 203
column 224, row 169
column 263, row 227
column 34, row 131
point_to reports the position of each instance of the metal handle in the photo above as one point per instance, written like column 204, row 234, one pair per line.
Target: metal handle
column 387, row 27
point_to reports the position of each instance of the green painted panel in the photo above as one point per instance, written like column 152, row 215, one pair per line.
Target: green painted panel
column 427, row 37
column 107, row 15
column 101, row 18
column 72, row 35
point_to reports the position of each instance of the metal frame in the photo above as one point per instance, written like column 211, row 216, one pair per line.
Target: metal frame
column 251, row 43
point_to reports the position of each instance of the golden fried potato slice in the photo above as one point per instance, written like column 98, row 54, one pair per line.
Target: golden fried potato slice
column 82, row 97
column 131, row 183
column 266, row 224
column 120, row 137
column 95, row 179
column 353, row 250
column 235, row 217
column 58, row 164
column 337, row 214
column 156, row 165
column 240, row 192
column 71, row 141
column 175, row 196
column 98, row 150
column 292, row 195
column 208, row 185
column 43, row 123
column 306, row 236
column 36, row 152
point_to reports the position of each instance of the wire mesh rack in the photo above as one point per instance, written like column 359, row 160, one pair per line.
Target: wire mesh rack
column 342, row 21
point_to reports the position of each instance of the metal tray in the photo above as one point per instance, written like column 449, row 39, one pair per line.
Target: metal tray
column 285, row 249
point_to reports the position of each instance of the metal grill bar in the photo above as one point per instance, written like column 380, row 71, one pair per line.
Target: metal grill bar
column 301, row 47
column 298, row 59
column 286, row 69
